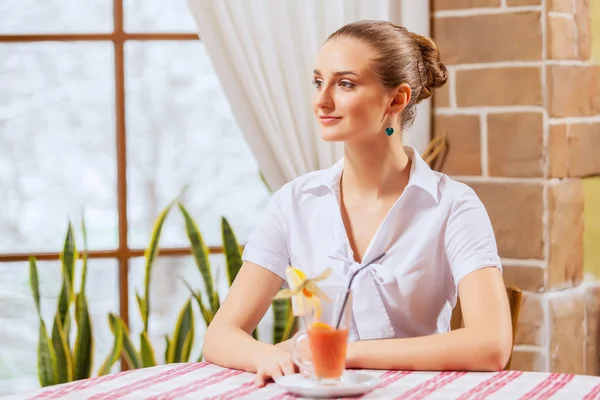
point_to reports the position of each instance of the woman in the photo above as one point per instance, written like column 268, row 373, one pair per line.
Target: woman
column 421, row 237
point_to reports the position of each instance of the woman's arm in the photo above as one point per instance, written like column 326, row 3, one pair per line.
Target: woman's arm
column 228, row 341
column 484, row 344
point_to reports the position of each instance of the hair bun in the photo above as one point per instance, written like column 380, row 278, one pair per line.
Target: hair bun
column 433, row 73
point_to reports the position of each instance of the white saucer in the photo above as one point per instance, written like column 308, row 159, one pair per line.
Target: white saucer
column 353, row 383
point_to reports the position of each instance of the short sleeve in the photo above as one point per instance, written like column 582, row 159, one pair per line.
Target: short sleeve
column 469, row 239
column 267, row 244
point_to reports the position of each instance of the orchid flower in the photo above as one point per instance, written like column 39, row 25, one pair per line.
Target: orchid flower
column 304, row 291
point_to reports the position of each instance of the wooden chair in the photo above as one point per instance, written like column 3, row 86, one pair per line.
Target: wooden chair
column 514, row 300
column 436, row 151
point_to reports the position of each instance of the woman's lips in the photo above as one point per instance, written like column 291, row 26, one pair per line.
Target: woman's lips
column 326, row 120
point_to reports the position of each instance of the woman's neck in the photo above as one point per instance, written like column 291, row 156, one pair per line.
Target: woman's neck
column 377, row 170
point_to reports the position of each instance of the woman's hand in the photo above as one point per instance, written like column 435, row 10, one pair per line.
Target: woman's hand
column 273, row 365
column 285, row 345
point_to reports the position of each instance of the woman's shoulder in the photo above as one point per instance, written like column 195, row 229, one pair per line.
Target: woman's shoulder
column 456, row 192
column 309, row 182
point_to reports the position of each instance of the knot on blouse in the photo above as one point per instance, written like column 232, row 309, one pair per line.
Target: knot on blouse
column 370, row 316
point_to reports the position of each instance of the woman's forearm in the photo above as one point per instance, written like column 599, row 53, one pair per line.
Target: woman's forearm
column 233, row 348
column 462, row 349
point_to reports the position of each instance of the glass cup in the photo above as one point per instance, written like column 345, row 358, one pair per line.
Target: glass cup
column 324, row 359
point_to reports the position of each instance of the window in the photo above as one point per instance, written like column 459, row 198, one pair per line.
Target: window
column 109, row 108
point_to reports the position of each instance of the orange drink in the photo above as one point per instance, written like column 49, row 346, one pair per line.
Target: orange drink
column 323, row 356
column 327, row 350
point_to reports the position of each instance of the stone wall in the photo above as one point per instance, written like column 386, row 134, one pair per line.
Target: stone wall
column 522, row 115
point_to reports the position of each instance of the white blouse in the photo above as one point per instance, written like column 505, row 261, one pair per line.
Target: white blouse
column 437, row 232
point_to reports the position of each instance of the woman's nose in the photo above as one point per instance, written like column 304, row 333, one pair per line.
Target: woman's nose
column 325, row 99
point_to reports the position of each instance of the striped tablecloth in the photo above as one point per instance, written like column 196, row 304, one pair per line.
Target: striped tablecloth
column 208, row 381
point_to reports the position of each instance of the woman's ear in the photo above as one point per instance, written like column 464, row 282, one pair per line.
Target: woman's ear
column 401, row 98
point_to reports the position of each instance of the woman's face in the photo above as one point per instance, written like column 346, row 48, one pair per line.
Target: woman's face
column 348, row 102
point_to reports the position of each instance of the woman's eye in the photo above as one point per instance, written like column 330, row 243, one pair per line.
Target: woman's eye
column 317, row 82
column 347, row 85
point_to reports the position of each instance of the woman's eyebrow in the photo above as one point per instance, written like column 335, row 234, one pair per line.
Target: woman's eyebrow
column 337, row 73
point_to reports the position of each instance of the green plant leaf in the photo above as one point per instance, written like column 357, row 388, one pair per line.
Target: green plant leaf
column 167, row 347
column 64, row 360
column 232, row 251
column 142, row 307
column 129, row 353
column 185, row 324
column 35, row 284
column 148, row 358
column 150, row 255
column 66, row 297
column 64, row 303
column 200, row 253
column 206, row 313
column 200, row 356
column 67, row 330
column 85, row 255
column 68, row 257
column 187, row 346
column 63, row 299
column 255, row 333
column 112, row 358
column 84, row 342
column 283, row 320
column 289, row 327
column 47, row 364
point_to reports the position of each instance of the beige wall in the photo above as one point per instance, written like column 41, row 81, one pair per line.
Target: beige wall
column 522, row 114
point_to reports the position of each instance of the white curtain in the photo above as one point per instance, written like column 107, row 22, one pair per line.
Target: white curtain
column 263, row 52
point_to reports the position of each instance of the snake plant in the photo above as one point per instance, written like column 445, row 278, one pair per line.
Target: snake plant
column 123, row 345
column 283, row 317
column 179, row 345
column 57, row 361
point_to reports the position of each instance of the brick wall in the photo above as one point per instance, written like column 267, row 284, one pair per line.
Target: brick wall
column 522, row 114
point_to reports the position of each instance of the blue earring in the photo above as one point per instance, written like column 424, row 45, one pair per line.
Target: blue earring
column 389, row 130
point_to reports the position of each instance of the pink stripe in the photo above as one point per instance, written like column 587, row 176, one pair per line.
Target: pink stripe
column 390, row 373
column 416, row 389
column 439, row 377
column 388, row 379
column 592, row 393
column 549, row 379
column 199, row 384
column 283, row 396
column 80, row 384
column 499, row 385
column 483, row 385
column 151, row 380
column 440, row 384
column 231, row 392
column 175, row 391
column 242, row 391
column 565, row 378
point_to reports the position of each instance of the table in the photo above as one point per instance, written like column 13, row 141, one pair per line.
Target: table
column 208, row 381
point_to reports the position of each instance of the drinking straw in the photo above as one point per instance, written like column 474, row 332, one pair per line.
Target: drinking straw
column 337, row 325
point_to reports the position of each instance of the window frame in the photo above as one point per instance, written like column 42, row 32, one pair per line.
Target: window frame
column 123, row 253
